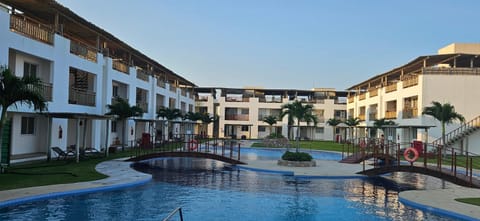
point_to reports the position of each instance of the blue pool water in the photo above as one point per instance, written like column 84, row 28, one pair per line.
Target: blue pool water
column 211, row 190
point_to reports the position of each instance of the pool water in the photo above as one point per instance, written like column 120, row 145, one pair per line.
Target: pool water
column 211, row 190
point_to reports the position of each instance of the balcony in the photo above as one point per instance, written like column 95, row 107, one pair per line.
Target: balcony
column 202, row 98
column 237, row 99
column 32, row 29
column 372, row 92
column 161, row 83
column 362, row 96
column 391, row 87
column 243, row 117
column 270, row 100
column 173, row 88
column 81, row 97
column 410, row 113
column 410, row 81
column 159, row 107
column 142, row 75
column 451, row 71
column 390, row 114
column 361, row 117
column 350, row 99
column 45, row 89
column 120, row 66
column 114, row 100
column 372, row 116
column 83, row 51
column 143, row 106
column 183, row 92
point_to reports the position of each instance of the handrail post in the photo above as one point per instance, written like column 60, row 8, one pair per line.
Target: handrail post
column 363, row 157
column 231, row 150
column 466, row 162
column 239, row 152
column 455, row 165
column 471, row 171
column 452, row 159
column 425, row 154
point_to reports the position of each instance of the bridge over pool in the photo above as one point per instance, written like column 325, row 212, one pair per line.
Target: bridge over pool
column 224, row 150
column 450, row 164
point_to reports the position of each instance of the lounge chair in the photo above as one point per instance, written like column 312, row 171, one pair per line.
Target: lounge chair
column 62, row 154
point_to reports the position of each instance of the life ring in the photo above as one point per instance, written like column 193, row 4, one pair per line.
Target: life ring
column 407, row 157
column 363, row 144
column 193, row 145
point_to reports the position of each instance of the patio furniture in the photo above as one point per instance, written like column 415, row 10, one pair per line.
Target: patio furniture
column 62, row 154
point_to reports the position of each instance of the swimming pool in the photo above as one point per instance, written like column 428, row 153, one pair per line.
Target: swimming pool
column 211, row 190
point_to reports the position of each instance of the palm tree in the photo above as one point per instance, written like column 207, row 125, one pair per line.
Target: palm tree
column 270, row 120
column 352, row 122
column 380, row 123
column 300, row 112
column 194, row 116
column 122, row 110
column 445, row 113
column 207, row 119
column 334, row 122
column 14, row 91
column 169, row 114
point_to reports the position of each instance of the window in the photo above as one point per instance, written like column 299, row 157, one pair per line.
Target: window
column 244, row 111
column 244, row 128
column 114, row 126
column 319, row 130
column 28, row 125
column 114, row 91
column 29, row 69
column 261, row 128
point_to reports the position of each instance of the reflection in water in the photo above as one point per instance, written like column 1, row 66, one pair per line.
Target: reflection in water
column 211, row 190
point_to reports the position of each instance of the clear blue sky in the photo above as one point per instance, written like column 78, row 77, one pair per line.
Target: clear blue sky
column 298, row 44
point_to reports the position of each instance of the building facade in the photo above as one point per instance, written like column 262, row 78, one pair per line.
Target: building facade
column 83, row 68
column 452, row 76
column 241, row 111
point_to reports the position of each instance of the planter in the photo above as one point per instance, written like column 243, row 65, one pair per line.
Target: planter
column 311, row 163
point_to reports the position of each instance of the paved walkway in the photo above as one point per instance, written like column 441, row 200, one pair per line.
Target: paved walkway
column 121, row 175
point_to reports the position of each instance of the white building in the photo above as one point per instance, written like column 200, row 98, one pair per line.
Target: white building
column 83, row 68
column 452, row 76
column 241, row 111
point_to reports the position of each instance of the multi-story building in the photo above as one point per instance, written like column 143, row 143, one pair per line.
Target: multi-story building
column 83, row 68
column 241, row 111
column 452, row 76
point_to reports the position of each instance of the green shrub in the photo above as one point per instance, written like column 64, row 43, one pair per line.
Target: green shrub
column 296, row 156
column 275, row 135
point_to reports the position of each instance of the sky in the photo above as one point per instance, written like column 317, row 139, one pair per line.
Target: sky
column 283, row 44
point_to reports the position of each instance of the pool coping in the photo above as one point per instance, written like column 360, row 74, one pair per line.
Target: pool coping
column 436, row 210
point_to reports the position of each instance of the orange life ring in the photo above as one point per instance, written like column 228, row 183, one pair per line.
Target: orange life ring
column 363, row 144
column 193, row 145
column 407, row 157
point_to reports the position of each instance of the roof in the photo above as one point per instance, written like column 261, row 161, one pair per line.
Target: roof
column 290, row 92
column 460, row 60
column 71, row 115
column 72, row 25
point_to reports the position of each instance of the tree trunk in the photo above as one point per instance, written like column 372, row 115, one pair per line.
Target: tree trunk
column 298, row 136
column 124, row 137
column 444, row 145
column 3, row 119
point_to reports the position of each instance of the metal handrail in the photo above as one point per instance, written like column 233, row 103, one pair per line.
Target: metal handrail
column 175, row 211
column 474, row 123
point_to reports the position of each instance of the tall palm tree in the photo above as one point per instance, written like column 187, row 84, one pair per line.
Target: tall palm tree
column 207, row 119
column 300, row 112
column 270, row 120
column 334, row 122
column 352, row 122
column 122, row 110
column 14, row 91
column 380, row 123
column 169, row 114
column 445, row 113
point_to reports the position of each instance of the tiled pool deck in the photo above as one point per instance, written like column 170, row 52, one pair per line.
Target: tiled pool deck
column 121, row 175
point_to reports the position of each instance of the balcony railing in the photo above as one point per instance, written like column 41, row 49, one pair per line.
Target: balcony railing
column 31, row 29
column 270, row 100
column 161, row 83
column 390, row 114
column 340, row 101
column 202, row 98
column 83, row 51
column 142, row 75
column 372, row 92
column 237, row 99
column 362, row 96
column 45, row 89
column 81, row 97
column 143, row 106
column 410, row 81
column 114, row 100
column 173, row 88
column 452, row 71
column 159, row 107
column 410, row 113
column 243, row 117
column 372, row 116
column 350, row 99
column 120, row 66
column 361, row 116
column 391, row 87
column 183, row 92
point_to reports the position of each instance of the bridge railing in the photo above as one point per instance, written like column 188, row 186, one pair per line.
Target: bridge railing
column 225, row 147
column 455, row 162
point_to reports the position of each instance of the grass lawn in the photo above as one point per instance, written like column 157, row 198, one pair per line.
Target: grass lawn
column 53, row 172
column 473, row 201
column 313, row 145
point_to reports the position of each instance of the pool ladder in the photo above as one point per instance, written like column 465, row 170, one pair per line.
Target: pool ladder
column 175, row 211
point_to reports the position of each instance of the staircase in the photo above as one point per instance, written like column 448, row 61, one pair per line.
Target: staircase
column 461, row 132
